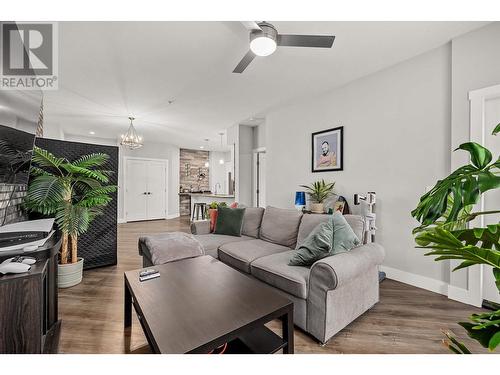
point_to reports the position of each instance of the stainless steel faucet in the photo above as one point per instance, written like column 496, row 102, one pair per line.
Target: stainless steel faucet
column 216, row 190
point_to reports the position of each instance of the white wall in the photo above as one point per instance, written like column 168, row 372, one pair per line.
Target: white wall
column 397, row 142
column 245, row 164
column 259, row 135
column 217, row 171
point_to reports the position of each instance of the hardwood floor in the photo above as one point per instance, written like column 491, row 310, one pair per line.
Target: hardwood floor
column 406, row 320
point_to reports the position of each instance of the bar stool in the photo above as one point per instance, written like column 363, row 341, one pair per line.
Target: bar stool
column 196, row 211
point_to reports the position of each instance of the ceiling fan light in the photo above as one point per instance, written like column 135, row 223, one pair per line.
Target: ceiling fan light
column 263, row 45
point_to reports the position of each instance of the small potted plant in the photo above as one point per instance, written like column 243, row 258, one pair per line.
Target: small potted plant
column 319, row 191
column 74, row 194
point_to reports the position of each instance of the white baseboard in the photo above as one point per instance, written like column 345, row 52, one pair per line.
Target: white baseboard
column 121, row 220
column 173, row 216
column 436, row 286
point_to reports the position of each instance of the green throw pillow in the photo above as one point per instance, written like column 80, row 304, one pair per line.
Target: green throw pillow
column 229, row 221
column 332, row 237
column 344, row 238
column 316, row 246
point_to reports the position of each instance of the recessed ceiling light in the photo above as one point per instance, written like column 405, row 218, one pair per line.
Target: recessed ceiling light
column 202, row 147
column 91, row 132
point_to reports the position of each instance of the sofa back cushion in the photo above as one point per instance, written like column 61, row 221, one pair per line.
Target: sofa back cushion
column 252, row 221
column 357, row 223
column 310, row 221
column 280, row 226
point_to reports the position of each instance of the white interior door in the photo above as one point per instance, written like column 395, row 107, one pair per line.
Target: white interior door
column 145, row 189
column 135, row 190
column 492, row 197
column 156, row 192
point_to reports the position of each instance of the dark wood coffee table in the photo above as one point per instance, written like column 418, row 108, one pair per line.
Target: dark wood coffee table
column 199, row 304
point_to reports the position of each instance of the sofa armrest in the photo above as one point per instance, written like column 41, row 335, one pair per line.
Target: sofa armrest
column 334, row 271
column 342, row 287
column 200, row 227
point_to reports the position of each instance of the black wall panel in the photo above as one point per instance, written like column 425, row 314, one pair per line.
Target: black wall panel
column 98, row 245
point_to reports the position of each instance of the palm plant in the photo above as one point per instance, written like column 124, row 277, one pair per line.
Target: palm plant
column 319, row 190
column 72, row 192
column 445, row 213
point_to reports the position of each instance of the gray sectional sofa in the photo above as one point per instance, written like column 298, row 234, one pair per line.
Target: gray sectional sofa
column 327, row 296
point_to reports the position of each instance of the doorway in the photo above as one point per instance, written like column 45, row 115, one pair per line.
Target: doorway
column 145, row 189
column 259, row 178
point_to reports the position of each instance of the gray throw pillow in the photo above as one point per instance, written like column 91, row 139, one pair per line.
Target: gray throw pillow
column 317, row 245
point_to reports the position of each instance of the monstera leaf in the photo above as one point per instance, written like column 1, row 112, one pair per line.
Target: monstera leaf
column 484, row 328
column 464, row 186
column 462, row 245
column 445, row 213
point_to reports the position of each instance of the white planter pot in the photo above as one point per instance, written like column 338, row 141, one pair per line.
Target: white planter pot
column 317, row 208
column 70, row 274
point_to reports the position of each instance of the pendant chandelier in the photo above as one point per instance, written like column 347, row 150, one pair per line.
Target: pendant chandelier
column 131, row 139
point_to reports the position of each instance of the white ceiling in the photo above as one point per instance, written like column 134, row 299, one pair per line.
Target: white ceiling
column 108, row 70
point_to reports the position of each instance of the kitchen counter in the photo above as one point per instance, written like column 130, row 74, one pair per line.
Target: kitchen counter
column 212, row 195
column 206, row 198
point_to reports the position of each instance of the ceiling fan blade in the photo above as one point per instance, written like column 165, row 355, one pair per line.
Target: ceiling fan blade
column 318, row 41
column 251, row 25
column 242, row 65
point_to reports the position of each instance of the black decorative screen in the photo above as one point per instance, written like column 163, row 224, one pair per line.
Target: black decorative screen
column 98, row 245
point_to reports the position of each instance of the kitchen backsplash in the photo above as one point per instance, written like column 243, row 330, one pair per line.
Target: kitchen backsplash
column 193, row 175
column 192, row 169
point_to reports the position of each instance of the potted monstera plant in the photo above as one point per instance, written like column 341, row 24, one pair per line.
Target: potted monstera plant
column 319, row 191
column 446, row 213
column 74, row 193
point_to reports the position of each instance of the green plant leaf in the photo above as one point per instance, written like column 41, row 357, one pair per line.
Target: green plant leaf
column 496, row 274
column 494, row 341
column 79, row 171
column 91, row 160
column 73, row 192
column 480, row 156
column 496, row 130
column 482, row 336
column 43, row 158
column 487, row 181
column 319, row 190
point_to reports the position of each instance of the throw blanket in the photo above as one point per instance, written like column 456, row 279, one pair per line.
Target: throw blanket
column 172, row 246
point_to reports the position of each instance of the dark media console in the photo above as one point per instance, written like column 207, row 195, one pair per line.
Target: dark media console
column 20, row 238
column 29, row 320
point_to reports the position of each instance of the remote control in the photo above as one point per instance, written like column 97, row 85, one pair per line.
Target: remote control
column 148, row 272
column 149, row 277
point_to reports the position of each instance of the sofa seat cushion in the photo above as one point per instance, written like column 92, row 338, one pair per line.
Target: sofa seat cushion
column 240, row 255
column 211, row 242
column 274, row 270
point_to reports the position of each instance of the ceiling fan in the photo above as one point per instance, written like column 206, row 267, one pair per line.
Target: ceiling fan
column 264, row 39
